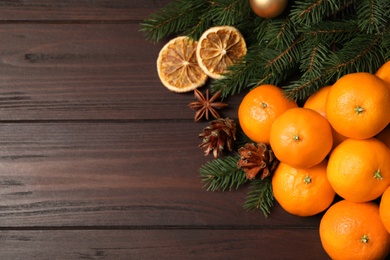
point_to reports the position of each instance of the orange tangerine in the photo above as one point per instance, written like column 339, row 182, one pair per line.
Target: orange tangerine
column 301, row 137
column 350, row 230
column 259, row 109
column 384, row 209
column 359, row 170
column 302, row 192
column 358, row 105
column 317, row 102
column 384, row 72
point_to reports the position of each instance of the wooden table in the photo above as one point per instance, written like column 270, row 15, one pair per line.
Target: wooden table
column 100, row 161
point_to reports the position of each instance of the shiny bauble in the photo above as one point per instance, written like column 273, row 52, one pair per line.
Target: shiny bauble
column 268, row 8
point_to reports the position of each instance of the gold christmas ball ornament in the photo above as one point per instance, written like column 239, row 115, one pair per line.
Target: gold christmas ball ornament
column 268, row 8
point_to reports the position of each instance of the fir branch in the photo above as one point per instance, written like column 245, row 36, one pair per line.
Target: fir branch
column 240, row 75
column 346, row 9
column 197, row 30
column 260, row 30
column 285, row 59
column 231, row 12
column 177, row 17
column 385, row 44
column 280, row 33
column 306, row 85
column 260, row 196
column 361, row 54
column 373, row 15
column 330, row 32
column 222, row 174
column 313, row 55
column 268, row 62
column 313, row 11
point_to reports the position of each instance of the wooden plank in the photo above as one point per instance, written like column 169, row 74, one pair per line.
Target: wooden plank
column 162, row 244
column 77, row 10
column 73, row 72
column 115, row 174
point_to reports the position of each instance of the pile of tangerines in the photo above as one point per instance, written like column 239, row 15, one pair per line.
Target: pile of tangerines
column 338, row 143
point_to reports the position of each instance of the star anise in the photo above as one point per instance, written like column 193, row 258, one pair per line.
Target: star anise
column 206, row 105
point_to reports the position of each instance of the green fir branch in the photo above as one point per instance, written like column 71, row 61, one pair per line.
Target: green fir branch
column 361, row 54
column 280, row 33
column 259, row 32
column 373, row 15
column 311, row 12
column 313, row 55
column 270, row 61
column 198, row 29
column 177, row 17
column 241, row 75
column 385, row 43
column 330, row 32
column 279, row 62
column 260, row 196
column 229, row 12
column 346, row 10
column 222, row 174
column 306, row 85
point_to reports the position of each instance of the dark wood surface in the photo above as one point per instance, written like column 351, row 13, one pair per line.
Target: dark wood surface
column 100, row 161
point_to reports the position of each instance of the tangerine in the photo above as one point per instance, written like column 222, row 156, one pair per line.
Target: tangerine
column 359, row 170
column 317, row 102
column 384, row 209
column 301, row 137
column 302, row 192
column 259, row 109
column 358, row 105
column 384, row 72
column 350, row 230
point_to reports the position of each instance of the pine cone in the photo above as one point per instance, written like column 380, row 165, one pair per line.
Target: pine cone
column 257, row 158
column 220, row 133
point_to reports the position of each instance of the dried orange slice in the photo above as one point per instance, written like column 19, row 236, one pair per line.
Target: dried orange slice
column 218, row 48
column 177, row 66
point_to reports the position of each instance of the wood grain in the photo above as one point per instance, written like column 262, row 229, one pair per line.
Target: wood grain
column 99, row 161
column 108, row 174
column 162, row 244
column 74, row 72
column 78, row 11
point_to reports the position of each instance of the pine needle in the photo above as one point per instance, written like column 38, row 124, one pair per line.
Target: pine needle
column 260, row 196
column 222, row 174
column 177, row 17
column 310, row 12
column 231, row 12
column 373, row 15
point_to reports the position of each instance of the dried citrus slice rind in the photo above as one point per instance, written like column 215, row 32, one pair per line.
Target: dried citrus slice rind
column 177, row 65
column 218, row 48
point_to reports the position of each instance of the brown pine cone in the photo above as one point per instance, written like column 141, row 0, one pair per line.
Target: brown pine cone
column 220, row 133
column 257, row 158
